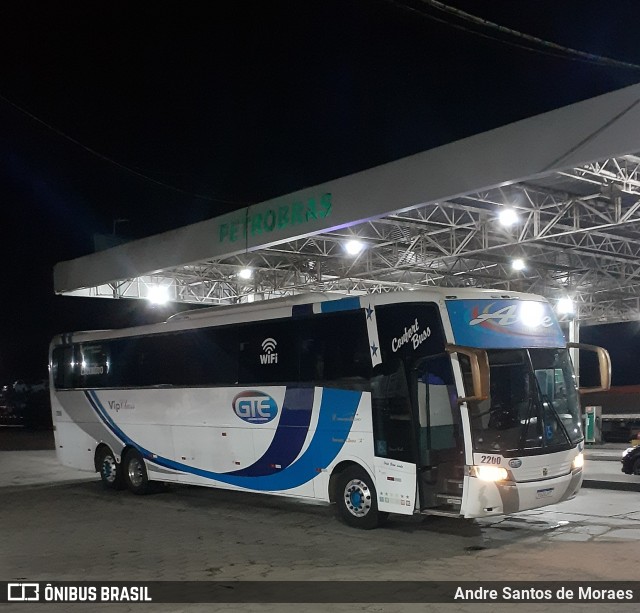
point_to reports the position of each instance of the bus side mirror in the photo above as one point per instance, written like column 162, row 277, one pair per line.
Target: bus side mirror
column 479, row 363
column 604, row 363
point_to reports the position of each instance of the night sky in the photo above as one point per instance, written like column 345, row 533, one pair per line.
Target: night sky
column 165, row 114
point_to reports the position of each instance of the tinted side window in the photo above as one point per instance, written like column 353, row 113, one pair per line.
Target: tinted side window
column 334, row 346
column 63, row 367
column 215, row 350
column 393, row 431
column 206, row 356
column 94, row 365
column 315, row 349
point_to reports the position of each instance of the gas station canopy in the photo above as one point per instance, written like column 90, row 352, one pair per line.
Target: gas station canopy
column 548, row 205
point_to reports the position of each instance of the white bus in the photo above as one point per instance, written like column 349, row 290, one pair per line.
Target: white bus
column 450, row 401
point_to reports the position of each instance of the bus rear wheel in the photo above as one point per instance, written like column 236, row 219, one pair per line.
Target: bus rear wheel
column 135, row 473
column 110, row 471
column 357, row 499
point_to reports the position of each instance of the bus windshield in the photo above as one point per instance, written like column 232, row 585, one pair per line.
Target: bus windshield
column 533, row 402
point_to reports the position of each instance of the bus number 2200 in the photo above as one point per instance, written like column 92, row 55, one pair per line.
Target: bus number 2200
column 490, row 459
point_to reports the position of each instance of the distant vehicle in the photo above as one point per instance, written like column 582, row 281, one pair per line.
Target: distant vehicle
column 631, row 460
column 11, row 410
column 26, row 404
column 456, row 402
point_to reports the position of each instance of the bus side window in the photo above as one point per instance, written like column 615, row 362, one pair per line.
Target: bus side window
column 438, row 412
column 346, row 346
column 311, row 362
column 63, row 367
column 392, row 427
column 218, row 351
column 94, row 365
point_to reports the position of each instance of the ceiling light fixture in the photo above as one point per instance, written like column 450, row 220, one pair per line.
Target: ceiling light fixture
column 158, row 294
column 565, row 306
column 354, row 247
column 508, row 217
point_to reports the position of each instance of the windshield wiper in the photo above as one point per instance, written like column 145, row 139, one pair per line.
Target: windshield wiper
column 525, row 426
column 550, row 404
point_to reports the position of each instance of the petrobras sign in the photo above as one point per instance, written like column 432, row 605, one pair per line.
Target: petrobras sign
column 503, row 324
column 255, row 407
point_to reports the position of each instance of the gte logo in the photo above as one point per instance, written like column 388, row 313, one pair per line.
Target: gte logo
column 269, row 347
column 255, row 407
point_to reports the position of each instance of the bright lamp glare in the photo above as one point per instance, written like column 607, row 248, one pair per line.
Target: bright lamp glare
column 245, row 273
column 565, row 306
column 531, row 313
column 491, row 473
column 508, row 217
column 578, row 461
column 158, row 294
column 518, row 264
column 354, row 247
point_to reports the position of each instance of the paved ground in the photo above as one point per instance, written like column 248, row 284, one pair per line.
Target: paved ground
column 57, row 524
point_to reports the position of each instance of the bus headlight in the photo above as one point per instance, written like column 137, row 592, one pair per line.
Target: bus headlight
column 489, row 473
column 578, row 461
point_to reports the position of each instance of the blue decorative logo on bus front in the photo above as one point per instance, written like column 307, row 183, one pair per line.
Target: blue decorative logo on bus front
column 255, row 407
column 502, row 324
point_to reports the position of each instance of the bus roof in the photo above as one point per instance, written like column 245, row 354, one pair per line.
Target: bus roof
column 284, row 307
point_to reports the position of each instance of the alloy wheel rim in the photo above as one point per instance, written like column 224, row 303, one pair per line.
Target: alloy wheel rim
column 136, row 476
column 357, row 498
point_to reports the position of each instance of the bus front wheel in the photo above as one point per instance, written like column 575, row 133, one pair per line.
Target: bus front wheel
column 135, row 473
column 357, row 499
column 110, row 471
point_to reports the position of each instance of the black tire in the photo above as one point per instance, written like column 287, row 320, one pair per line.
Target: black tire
column 135, row 474
column 357, row 499
column 110, row 471
column 635, row 467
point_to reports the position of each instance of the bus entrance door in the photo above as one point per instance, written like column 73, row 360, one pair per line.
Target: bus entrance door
column 440, row 450
column 395, row 482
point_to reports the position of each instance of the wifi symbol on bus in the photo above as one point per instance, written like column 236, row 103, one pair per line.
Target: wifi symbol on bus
column 269, row 347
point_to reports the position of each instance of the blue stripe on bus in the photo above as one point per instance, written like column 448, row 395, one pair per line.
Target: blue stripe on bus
column 344, row 304
column 99, row 409
column 337, row 411
column 289, row 436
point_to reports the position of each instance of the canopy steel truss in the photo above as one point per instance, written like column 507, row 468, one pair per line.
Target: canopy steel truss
column 578, row 234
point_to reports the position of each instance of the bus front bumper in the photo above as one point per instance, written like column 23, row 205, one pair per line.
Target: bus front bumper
column 485, row 498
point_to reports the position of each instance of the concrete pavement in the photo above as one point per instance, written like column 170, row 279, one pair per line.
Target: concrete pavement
column 59, row 524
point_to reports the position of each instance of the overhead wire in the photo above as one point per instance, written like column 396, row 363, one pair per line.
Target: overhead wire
column 115, row 163
column 545, row 47
column 558, row 51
